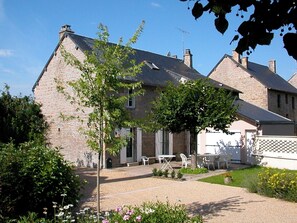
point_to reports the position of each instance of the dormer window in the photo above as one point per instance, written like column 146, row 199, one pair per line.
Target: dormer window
column 151, row 65
column 131, row 98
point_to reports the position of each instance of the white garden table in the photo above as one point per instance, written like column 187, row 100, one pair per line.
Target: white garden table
column 167, row 159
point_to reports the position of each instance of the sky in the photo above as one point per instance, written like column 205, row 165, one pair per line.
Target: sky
column 29, row 34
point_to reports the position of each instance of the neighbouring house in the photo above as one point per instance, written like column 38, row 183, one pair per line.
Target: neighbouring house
column 156, row 72
column 260, row 85
column 293, row 80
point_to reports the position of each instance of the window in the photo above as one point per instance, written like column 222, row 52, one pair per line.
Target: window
column 131, row 99
column 293, row 103
column 165, row 142
column 278, row 100
column 286, row 99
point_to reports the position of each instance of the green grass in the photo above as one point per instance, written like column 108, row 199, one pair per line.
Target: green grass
column 240, row 177
column 193, row 171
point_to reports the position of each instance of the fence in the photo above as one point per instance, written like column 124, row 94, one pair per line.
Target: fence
column 276, row 151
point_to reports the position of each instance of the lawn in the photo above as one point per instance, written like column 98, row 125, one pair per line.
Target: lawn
column 239, row 177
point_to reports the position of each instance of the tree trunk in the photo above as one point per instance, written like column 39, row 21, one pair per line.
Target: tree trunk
column 193, row 148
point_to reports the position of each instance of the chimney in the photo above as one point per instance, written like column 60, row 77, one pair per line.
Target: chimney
column 188, row 58
column 64, row 29
column 236, row 56
column 272, row 66
column 245, row 62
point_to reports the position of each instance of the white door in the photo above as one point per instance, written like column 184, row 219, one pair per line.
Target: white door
column 249, row 143
column 126, row 155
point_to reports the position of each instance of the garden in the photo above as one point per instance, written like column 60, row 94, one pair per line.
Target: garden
column 271, row 182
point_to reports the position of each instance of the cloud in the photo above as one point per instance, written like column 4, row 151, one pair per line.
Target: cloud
column 157, row 5
column 6, row 53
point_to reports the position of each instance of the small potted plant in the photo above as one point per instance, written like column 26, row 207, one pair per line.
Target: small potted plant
column 227, row 177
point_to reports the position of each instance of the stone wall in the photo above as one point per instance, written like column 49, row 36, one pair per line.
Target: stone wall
column 68, row 134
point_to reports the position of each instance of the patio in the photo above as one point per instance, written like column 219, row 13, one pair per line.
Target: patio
column 216, row 203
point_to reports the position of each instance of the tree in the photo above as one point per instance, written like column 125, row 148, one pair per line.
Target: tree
column 107, row 71
column 266, row 17
column 21, row 119
column 193, row 106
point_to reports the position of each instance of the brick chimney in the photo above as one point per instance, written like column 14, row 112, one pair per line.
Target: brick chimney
column 236, row 56
column 64, row 29
column 188, row 58
column 272, row 66
column 245, row 62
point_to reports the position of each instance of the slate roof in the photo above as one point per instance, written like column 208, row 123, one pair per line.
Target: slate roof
column 260, row 115
column 169, row 68
column 268, row 78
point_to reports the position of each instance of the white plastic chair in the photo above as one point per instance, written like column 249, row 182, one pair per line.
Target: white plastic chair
column 145, row 160
column 185, row 160
column 209, row 160
column 161, row 159
column 225, row 159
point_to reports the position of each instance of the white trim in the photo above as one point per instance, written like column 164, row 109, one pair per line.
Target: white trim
column 170, row 143
column 139, row 143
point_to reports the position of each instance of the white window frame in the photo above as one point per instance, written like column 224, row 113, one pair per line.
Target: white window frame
column 131, row 99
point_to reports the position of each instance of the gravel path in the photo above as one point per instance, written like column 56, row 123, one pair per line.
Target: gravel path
column 216, row 203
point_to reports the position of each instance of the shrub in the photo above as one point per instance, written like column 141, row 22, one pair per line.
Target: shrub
column 278, row 183
column 160, row 173
column 152, row 212
column 32, row 176
column 166, row 172
column 21, row 119
column 179, row 174
column 173, row 173
column 149, row 212
column 155, row 172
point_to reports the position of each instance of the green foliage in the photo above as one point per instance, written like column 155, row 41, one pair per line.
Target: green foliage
column 148, row 212
column 265, row 18
column 20, row 119
column 155, row 172
column 152, row 213
column 173, row 173
column 193, row 171
column 32, row 176
column 193, row 106
column 179, row 175
column 107, row 73
column 160, row 173
column 165, row 173
column 278, row 183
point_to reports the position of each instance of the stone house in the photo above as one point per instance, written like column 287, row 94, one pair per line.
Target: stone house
column 157, row 71
column 293, row 80
column 259, row 85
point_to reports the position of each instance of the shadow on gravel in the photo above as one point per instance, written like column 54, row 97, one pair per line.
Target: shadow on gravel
column 214, row 209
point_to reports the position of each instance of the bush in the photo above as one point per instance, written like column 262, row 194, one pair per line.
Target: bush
column 155, row 172
column 179, row 175
column 166, row 172
column 21, row 119
column 278, row 183
column 152, row 212
column 160, row 173
column 173, row 174
column 31, row 177
column 149, row 212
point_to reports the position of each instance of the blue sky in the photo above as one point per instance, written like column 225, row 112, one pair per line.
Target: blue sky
column 29, row 34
